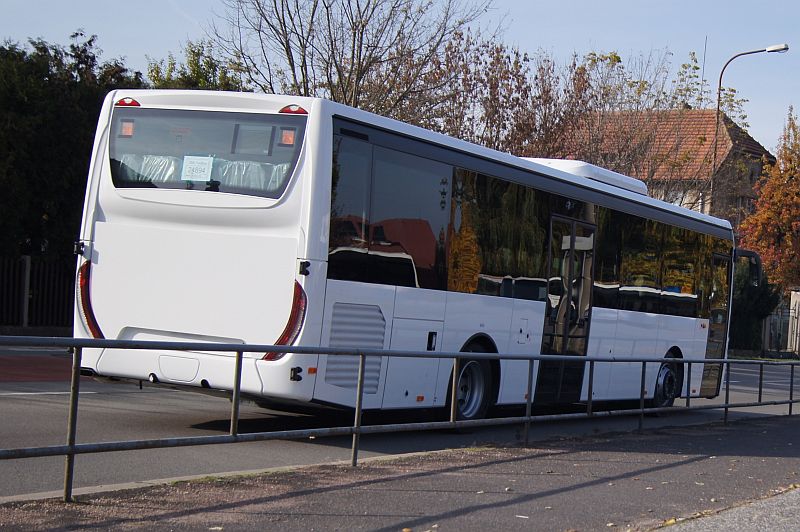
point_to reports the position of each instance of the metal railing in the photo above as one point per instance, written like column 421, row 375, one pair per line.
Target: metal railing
column 71, row 449
column 36, row 291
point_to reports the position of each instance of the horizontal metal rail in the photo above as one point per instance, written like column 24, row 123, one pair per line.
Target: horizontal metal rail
column 356, row 430
column 36, row 341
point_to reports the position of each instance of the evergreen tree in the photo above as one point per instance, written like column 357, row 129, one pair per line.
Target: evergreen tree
column 50, row 98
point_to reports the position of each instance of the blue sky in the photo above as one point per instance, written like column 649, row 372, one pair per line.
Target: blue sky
column 771, row 82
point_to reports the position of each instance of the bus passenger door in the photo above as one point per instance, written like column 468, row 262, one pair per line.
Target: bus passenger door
column 569, row 310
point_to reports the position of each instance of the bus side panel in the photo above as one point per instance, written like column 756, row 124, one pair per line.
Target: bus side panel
column 602, row 334
column 637, row 337
column 411, row 382
column 525, row 339
column 680, row 332
column 417, row 325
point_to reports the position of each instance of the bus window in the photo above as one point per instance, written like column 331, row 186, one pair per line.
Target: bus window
column 349, row 226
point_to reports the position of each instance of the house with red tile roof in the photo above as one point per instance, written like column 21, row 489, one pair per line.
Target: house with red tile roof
column 673, row 152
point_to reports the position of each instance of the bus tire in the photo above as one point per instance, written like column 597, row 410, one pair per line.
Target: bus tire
column 667, row 385
column 474, row 389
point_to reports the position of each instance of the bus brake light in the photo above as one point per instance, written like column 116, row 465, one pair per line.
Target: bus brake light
column 295, row 323
column 127, row 102
column 293, row 109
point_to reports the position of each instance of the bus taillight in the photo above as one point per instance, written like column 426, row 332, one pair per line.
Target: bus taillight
column 293, row 109
column 295, row 323
column 85, row 302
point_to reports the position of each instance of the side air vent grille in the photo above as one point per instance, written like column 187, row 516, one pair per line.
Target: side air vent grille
column 361, row 326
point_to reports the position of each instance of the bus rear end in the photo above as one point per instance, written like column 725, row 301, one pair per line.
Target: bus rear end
column 192, row 232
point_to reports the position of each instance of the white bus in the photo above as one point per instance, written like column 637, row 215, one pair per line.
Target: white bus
column 266, row 219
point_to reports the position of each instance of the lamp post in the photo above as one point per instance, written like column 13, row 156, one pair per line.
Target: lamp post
column 780, row 48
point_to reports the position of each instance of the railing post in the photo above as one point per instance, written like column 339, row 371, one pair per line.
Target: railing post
column 791, row 389
column 72, row 422
column 359, row 406
column 641, row 398
column 590, row 392
column 454, row 391
column 528, row 401
column 760, row 380
column 727, row 391
column 237, row 387
column 688, row 385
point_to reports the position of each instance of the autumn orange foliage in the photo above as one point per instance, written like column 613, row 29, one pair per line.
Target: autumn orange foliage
column 773, row 229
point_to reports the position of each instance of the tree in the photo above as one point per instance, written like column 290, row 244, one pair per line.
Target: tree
column 378, row 55
column 50, row 98
column 773, row 229
column 203, row 69
column 502, row 98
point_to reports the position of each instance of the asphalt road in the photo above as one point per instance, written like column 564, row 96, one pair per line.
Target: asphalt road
column 33, row 409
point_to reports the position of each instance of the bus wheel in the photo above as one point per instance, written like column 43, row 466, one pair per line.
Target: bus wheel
column 666, row 385
column 474, row 389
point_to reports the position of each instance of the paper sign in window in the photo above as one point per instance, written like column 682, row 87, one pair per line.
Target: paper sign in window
column 197, row 168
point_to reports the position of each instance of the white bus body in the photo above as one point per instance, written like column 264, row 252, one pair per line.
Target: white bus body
column 208, row 218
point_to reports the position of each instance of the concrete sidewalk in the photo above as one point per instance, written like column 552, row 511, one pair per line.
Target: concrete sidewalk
column 777, row 513
column 685, row 477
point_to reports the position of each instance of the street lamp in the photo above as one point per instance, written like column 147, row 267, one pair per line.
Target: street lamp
column 780, row 48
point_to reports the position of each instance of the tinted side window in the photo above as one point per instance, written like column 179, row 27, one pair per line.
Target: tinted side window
column 679, row 295
column 497, row 237
column 641, row 245
column 408, row 220
column 607, row 259
column 347, row 246
column 704, row 274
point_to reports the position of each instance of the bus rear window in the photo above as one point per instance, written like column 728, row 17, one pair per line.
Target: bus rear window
column 239, row 153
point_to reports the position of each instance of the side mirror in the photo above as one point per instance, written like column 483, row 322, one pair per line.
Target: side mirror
column 753, row 262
